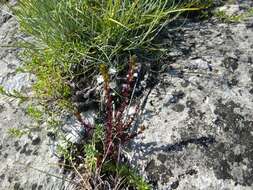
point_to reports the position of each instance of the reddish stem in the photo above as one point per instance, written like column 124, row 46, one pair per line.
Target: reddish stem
column 109, row 118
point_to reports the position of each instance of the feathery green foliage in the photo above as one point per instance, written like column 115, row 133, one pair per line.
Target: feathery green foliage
column 34, row 113
column 17, row 133
column 90, row 150
column 129, row 175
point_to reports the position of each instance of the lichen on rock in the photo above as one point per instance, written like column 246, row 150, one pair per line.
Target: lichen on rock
column 202, row 139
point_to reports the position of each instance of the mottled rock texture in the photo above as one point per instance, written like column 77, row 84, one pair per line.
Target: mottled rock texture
column 199, row 116
column 21, row 158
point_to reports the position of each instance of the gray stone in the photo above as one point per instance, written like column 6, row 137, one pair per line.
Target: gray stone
column 21, row 163
column 198, row 127
column 204, row 139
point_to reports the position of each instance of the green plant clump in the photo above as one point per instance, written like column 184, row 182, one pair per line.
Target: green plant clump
column 34, row 113
column 73, row 37
column 15, row 132
column 78, row 39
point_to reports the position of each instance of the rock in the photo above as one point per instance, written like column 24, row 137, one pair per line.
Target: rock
column 23, row 162
column 36, row 140
column 74, row 130
column 230, row 9
column 16, row 82
column 202, row 139
column 198, row 116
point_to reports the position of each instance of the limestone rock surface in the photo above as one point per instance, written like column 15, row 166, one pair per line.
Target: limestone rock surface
column 198, row 119
column 26, row 163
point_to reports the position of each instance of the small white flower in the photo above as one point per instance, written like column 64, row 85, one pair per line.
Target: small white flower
column 113, row 85
column 124, row 85
column 132, row 110
column 100, row 79
column 112, row 71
